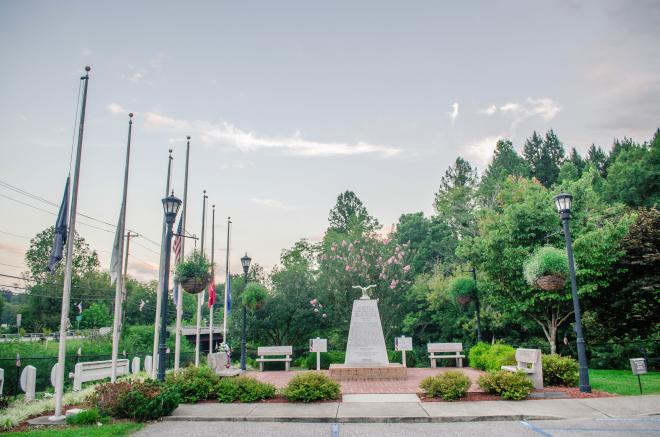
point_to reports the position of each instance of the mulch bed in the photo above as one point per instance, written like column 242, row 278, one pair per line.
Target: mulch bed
column 571, row 392
column 575, row 393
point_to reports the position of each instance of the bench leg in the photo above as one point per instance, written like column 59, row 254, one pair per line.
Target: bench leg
column 433, row 363
column 459, row 362
column 286, row 366
column 261, row 366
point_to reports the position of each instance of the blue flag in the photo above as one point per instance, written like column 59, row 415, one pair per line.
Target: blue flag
column 228, row 294
column 59, row 240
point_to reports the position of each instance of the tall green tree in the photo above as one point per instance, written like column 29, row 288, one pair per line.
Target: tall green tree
column 506, row 162
column 455, row 200
column 350, row 216
column 430, row 240
column 544, row 157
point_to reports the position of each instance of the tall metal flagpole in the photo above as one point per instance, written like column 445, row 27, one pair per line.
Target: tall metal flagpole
column 212, row 279
column 116, row 326
column 179, row 302
column 200, row 296
column 227, row 290
column 66, row 292
column 161, row 272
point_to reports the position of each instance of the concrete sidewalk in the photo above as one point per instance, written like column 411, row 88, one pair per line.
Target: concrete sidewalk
column 418, row 412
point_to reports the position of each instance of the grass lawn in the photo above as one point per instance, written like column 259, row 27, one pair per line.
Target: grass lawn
column 117, row 429
column 623, row 382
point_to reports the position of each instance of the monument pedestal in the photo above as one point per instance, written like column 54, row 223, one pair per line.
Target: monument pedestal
column 366, row 357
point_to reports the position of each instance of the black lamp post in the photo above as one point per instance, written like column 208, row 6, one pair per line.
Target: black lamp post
column 171, row 206
column 563, row 204
column 245, row 262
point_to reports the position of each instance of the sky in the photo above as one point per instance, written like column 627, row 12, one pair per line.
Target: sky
column 290, row 103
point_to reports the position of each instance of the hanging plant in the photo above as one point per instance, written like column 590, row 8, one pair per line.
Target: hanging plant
column 193, row 273
column 547, row 268
column 254, row 296
column 463, row 289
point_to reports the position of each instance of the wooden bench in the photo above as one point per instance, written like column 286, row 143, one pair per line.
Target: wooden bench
column 282, row 352
column 449, row 350
column 529, row 361
column 95, row 370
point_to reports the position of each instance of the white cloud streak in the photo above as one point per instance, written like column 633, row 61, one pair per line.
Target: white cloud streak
column 492, row 109
column 115, row 108
column 481, row 150
column 228, row 134
column 543, row 107
column 454, row 112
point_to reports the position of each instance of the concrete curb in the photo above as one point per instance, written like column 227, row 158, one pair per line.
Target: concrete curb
column 403, row 419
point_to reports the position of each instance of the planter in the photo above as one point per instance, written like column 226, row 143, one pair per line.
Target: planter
column 464, row 300
column 194, row 285
column 551, row 282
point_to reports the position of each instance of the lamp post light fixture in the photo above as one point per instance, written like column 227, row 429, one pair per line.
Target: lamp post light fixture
column 171, row 206
column 245, row 262
column 563, row 204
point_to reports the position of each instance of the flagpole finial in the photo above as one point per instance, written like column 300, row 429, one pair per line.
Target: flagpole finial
column 188, row 137
column 130, row 114
column 170, row 151
column 213, row 206
column 87, row 68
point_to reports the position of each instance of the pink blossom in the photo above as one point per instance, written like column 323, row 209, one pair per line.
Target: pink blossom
column 333, row 247
column 343, row 243
column 393, row 284
column 347, row 268
column 400, row 255
column 396, row 249
column 313, row 302
column 406, row 269
column 382, row 276
column 386, row 241
column 350, row 247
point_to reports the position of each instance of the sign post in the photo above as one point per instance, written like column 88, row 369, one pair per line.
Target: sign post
column 19, row 316
column 318, row 345
column 403, row 344
column 638, row 366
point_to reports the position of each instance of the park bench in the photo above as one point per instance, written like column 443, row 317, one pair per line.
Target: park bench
column 529, row 361
column 95, row 370
column 283, row 354
column 448, row 351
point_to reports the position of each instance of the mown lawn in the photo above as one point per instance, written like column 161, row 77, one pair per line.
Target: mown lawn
column 117, row 429
column 623, row 382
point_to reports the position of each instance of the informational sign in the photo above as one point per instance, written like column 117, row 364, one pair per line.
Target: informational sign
column 18, row 320
column 403, row 343
column 318, row 345
column 638, row 366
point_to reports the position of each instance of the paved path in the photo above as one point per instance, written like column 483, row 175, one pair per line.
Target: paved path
column 595, row 408
column 409, row 385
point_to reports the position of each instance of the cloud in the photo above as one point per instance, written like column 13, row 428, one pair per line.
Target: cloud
column 271, row 203
column 10, row 248
column 454, row 112
column 228, row 134
column 115, row 108
column 481, row 150
column 492, row 109
column 136, row 77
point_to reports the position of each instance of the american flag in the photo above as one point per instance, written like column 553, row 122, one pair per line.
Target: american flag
column 177, row 243
column 212, row 293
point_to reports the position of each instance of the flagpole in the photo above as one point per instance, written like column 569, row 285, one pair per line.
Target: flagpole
column 66, row 292
column 200, row 296
column 179, row 302
column 212, row 279
column 224, row 315
column 161, row 271
column 124, row 291
column 116, row 326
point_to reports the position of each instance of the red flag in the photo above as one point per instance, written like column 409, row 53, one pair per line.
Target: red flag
column 211, row 293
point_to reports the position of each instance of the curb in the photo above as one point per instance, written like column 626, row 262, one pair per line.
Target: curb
column 403, row 419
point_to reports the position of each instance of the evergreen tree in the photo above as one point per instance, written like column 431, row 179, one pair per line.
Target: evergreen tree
column 577, row 161
column 544, row 157
column 455, row 199
column 597, row 158
column 349, row 215
column 506, row 162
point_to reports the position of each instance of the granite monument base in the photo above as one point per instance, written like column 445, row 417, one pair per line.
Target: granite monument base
column 347, row 372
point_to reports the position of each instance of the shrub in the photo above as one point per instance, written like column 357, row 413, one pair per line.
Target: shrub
column 135, row 400
column 499, row 355
column 450, row 385
column 195, row 266
column 477, row 355
column 547, row 260
column 509, row 385
column 254, row 296
column 86, row 417
column 311, row 386
column 244, row 389
column 327, row 358
column 558, row 370
column 193, row 383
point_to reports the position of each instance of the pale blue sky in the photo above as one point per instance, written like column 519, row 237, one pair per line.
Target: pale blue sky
column 290, row 103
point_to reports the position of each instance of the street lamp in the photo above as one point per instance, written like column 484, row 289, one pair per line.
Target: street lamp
column 245, row 262
column 171, row 206
column 563, row 204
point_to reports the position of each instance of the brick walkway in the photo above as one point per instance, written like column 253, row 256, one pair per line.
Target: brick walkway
column 410, row 385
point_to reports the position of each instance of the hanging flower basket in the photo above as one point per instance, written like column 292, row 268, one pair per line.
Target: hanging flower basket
column 551, row 282
column 463, row 300
column 194, row 285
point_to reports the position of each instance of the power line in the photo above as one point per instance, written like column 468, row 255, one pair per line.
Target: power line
column 15, row 235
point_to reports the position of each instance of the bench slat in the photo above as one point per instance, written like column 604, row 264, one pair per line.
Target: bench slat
column 445, row 347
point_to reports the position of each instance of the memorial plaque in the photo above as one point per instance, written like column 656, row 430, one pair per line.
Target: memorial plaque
column 318, row 345
column 366, row 343
column 403, row 344
column 638, row 366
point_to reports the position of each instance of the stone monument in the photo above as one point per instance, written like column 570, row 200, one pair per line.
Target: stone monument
column 366, row 356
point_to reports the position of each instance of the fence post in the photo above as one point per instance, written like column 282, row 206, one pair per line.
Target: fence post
column 18, row 374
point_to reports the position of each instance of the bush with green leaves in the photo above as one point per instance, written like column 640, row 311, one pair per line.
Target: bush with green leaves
column 254, row 296
column 140, row 401
column 477, row 355
column 244, row 389
column 547, row 260
column 450, row 385
column 558, row 370
column 193, row 383
column 90, row 416
column 310, row 387
column 327, row 358
column 485, row 356
column 510, row 385
column 194, row 266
